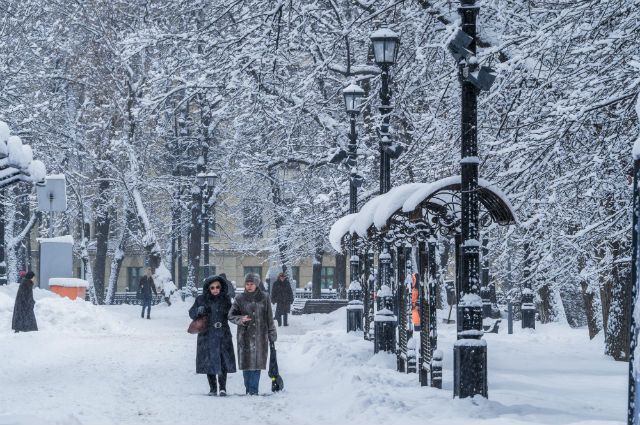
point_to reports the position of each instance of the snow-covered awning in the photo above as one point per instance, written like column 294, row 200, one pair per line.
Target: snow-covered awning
column 409, row 197
column 339, row 229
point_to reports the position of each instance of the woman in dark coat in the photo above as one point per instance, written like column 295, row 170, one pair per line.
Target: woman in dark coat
column 251, row 311
column 215, row 355
column 282, row 295
column 24, row 319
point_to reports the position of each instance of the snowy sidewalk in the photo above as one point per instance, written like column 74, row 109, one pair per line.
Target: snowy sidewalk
column 126, row 370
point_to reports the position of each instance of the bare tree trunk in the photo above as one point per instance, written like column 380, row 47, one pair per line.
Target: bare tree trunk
column 441, row 292
column 590, row 310
column 102, row 223
column 195, row 241
column 317, row 274
column 22, row 220
column 117, row 259
column 3, row 263
column 341, row 275
column 618, row 320
column 545, row 307
column 11, row 260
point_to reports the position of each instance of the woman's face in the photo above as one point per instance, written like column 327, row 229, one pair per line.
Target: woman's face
column 215, row 288
column 250, row 286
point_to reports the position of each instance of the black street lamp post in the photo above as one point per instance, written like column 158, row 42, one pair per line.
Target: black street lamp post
column 485, row 292
column 633, row 414
column 207, row 183
column 527, row 307
column 385, row 50
column 353, row 97
column 470, row 351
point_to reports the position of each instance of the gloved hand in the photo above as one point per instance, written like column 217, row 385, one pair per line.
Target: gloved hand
column 200, row 311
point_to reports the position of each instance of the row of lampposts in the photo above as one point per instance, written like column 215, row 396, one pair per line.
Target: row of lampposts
column 385, row 44
column 470, row 351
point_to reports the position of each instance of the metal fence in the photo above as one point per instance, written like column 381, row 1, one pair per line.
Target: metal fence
column 325, row 294
column 130, row 298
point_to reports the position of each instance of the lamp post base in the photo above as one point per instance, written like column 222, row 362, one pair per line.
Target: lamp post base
column 470, row 368
column 354, row 316
column 385, row 325
column 528, row 309
column 528, row 317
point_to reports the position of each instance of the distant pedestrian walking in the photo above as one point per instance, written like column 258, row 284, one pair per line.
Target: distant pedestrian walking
column 251, row 311
column 145, row 287
column 214, row 356
column 282, row 295
column 24, row 319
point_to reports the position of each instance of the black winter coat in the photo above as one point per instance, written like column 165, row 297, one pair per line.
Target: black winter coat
column 282, row 295
column 24, row 319
column 145, row 287
column 215, row 352
column 254, row 336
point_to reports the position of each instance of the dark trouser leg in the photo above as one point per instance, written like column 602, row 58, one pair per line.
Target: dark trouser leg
column 222, row 381
column 256, row 381
column 148, row 309
column 285, row 319
column 251, row 381
column 142, row 314
column 246, row 375
column 279, row 319
column 212, row 383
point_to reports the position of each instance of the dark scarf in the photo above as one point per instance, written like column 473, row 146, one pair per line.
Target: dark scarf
column 256, row 296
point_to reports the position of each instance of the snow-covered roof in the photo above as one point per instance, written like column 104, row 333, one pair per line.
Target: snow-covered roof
column 407, row 197
column 68, row 282
column 58, row 239
column 384, row 33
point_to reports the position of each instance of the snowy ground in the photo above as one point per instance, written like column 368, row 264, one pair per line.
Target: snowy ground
column 106, row 365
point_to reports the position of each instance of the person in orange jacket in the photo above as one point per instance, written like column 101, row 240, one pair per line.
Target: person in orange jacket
column 415, row 305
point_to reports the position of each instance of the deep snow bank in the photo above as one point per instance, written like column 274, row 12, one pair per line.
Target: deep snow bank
column 58, row 314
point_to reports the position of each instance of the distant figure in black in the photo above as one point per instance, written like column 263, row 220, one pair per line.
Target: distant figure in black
column 24, row 319
column 145, row 287
column 265, row 288
column 282, row 295
column 215, row 355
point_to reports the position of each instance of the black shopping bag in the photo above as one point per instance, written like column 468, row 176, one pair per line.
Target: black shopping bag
column 277, row 384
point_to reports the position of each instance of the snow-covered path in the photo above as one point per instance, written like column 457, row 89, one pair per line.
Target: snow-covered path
column 127, row 370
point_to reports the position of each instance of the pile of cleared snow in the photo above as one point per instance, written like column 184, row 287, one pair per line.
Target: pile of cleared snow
column 58, row 314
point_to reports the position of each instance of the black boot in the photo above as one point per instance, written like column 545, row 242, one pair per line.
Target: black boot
column 222, row 382
column 285, row 319
column 213, row 387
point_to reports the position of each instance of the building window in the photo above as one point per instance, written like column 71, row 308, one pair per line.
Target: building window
column 327, row 277
column 253, row 269
column 251, row 219
column 133, row 278
column 295, row 275
column 185, row 273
